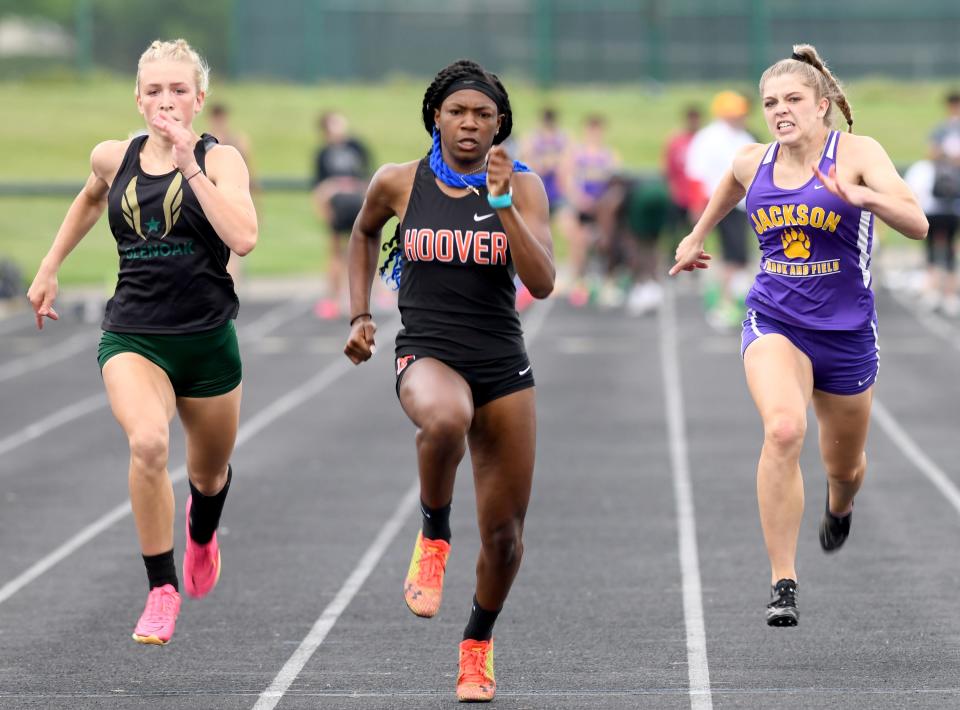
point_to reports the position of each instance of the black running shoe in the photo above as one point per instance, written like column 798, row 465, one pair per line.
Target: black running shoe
column 782, row 609
column 833, row 530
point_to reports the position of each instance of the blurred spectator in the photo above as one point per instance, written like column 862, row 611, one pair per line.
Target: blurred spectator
column 709, row 157
column 631, row 215
column 584, row 176
column 675, row 170
column 11, row 281
column 342, row 168
column 544, row 151
column 221, row 129
column 944, row 206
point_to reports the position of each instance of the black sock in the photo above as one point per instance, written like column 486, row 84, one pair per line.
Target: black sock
column 480, row 626
column 161, row 569
column 205, row 511
column 436, row 522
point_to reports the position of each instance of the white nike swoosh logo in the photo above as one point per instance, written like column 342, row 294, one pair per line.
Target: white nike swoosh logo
column 525, row 371
column 860, row 382
column 818, row 187
column 480, row 218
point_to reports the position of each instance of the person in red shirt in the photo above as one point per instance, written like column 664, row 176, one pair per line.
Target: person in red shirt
column 674, row 168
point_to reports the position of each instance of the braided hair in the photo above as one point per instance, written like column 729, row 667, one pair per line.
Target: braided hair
column 466, row 69
column 814, row 73
column 432, row 99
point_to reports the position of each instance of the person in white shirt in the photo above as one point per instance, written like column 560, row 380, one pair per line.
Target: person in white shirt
column 709, row 156
column 942, row 210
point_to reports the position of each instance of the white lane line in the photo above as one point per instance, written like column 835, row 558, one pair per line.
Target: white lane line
column 273, row 318
column 44, row 358
column 937, row 325
column 915, row 454
column 408, row 503
column 73, row 345
column 291, row 669
column 697, row 667
column 253, row 426
column 52, row 421
column 65, row 550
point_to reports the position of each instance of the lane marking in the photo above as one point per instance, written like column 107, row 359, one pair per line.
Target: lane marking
column 934, row 323
column 940, row 480
column 291, row 669
column 368, row 562
column 43, row 426
column 278, row 408
column 46, row 357
column 78, row 342
column 697, row 666
column 433, row 693
column 273, row 318
column 254, row 425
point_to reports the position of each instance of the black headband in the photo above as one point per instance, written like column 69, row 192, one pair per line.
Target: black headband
column 477, row 84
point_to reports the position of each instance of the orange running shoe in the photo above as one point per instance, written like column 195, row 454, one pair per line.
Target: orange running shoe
column 423, row 587
column 475, row 682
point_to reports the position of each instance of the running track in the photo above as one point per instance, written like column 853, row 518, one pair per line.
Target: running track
column 644, row 579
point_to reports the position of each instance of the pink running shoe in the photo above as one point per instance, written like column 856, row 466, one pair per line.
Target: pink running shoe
column 326, row 309
column 201, row 563
column 579, row 296
column 524, row 299
column 159, row 617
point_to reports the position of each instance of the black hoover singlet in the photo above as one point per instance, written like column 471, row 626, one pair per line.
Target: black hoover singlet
column 457, row 297
column 173, row 267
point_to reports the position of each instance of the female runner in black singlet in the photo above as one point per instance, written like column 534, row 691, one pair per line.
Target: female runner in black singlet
column 177, row 205
column 469, row 220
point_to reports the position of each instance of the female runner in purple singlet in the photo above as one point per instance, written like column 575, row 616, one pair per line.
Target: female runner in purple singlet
column 810, row 333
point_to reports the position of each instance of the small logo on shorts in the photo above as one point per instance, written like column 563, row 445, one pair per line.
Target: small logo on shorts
column 402, row 362
column 525, row 370
column 860, row 383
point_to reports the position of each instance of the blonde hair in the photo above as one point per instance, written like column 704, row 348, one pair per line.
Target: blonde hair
column 177, row 50
column 814, row 73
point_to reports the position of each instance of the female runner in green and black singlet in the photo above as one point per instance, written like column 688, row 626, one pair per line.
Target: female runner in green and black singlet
column 178, row 204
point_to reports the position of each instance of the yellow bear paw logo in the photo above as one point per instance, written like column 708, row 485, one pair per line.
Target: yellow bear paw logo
column 796, row 244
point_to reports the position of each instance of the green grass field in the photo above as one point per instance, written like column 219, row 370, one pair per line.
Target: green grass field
column 50, row 128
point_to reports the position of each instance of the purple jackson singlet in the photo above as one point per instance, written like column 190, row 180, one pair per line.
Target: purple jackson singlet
column 546, row 153
column 815, row 262
column 592, row 170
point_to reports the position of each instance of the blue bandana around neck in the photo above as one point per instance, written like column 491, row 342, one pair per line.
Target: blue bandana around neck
column 392, row 269
column 449, row 176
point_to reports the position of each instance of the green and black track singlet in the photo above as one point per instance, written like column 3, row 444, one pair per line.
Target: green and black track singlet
column 173, row 266
column 457, row 297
